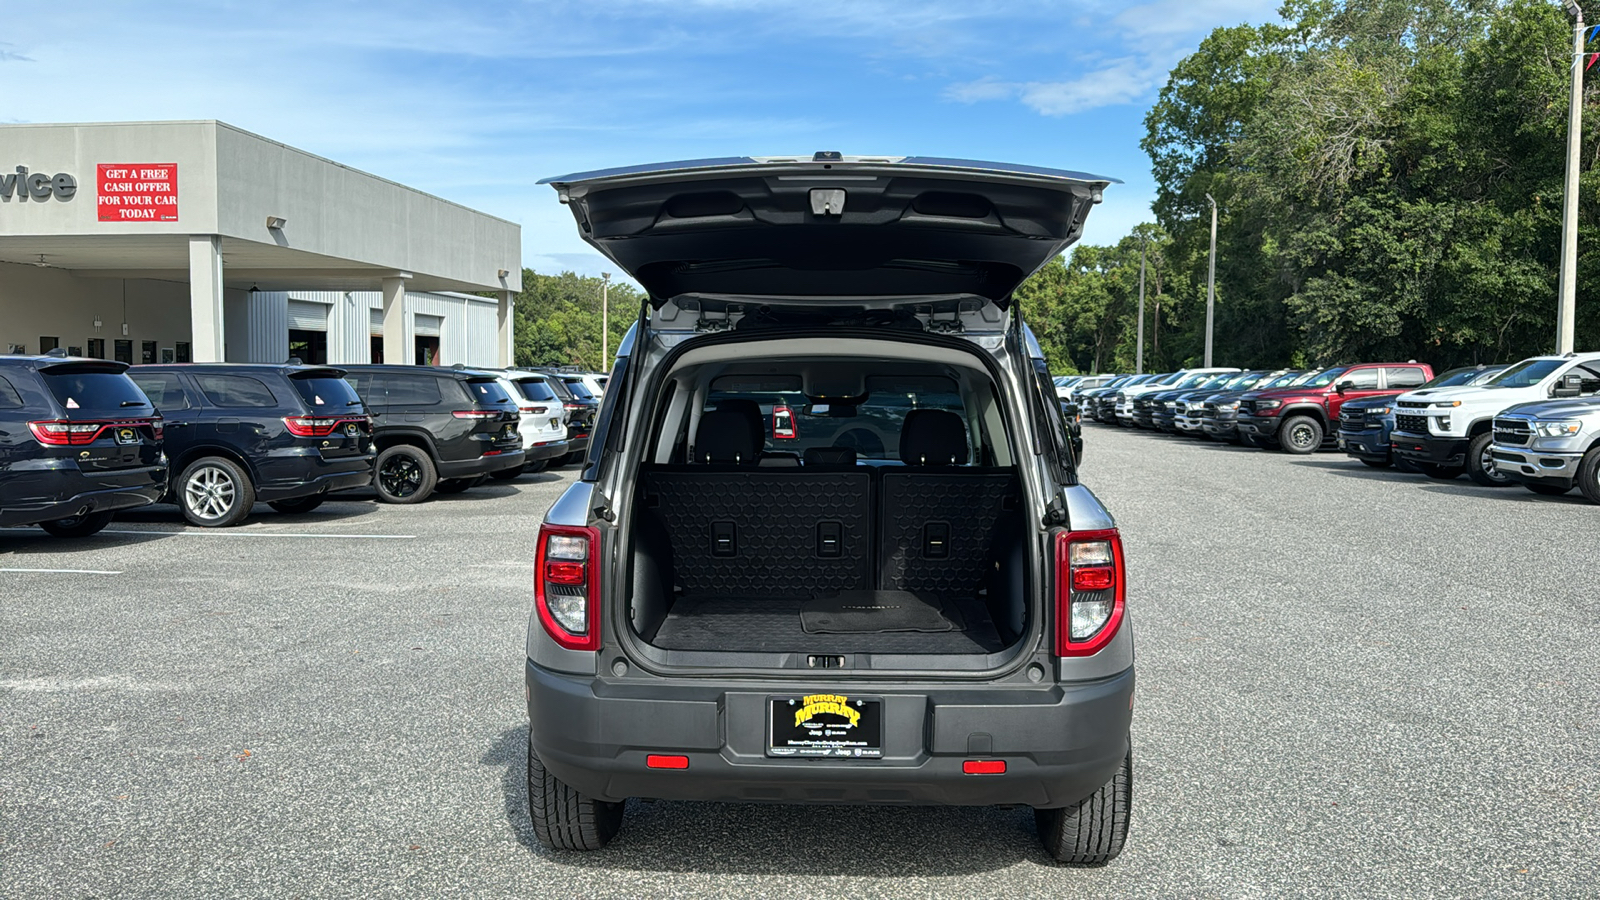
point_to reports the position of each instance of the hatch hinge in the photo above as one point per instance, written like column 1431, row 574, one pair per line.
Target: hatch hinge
column 711, row 322
column 1055, row 515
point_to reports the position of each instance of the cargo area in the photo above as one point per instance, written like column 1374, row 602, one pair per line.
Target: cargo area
column 891, row 524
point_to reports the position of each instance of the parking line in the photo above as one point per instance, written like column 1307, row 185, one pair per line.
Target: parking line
column 65, row 571
column 246, row 534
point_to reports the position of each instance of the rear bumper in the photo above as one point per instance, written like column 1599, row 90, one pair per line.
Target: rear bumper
column 1060, row 743
column 1432, row 450
column 1520, row 464
column 551, row 450
column 290, row 477
column 58, row 489
column 483, row 465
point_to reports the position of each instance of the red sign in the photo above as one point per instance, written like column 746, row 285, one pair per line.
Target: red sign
column 138, row 192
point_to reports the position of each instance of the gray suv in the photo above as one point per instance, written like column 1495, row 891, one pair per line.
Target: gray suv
column 829, row 545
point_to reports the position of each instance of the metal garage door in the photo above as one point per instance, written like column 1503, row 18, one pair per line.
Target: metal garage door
column 307, row 316
column 427, row 326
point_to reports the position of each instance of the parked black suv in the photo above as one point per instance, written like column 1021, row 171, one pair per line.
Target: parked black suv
column 77, row 443
column 436, row 429
column 830, row 546
column 237, row 433
column 582, row 409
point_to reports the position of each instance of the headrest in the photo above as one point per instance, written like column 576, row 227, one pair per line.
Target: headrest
column 751, row 411
column 830, row 456
column 725, row 437
column 933, row 437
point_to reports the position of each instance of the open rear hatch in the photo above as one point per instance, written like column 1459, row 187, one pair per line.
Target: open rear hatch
column 830, row 230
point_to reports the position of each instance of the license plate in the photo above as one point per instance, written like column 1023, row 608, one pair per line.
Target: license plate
column 825, row 725
column 1341, row 443
column 125, row 435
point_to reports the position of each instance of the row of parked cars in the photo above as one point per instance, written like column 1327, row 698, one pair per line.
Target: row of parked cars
column 1535, row 422
column 81, row 439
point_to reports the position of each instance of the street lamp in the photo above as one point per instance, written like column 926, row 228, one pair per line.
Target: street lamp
column 605, row 317
column 1138, row 353
column 1567, row 286
column 1211, row 278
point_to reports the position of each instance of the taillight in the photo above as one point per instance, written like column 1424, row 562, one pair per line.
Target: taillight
column 783, row 422
column 476, row 414
column 1091, row 590
column 159, row 427
column 566, row 585
column 61, row 433
column 309, row 426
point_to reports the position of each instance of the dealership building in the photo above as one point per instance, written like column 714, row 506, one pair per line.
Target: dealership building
column 196, row 241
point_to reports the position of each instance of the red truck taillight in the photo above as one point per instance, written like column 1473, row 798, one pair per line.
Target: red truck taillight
column 566, row 586
column 1091, row 589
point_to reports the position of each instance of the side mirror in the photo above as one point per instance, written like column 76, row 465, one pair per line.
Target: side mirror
column 1570, row 385
column 1345, row 386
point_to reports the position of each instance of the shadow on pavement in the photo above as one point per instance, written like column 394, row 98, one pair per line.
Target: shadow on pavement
column 763, row 839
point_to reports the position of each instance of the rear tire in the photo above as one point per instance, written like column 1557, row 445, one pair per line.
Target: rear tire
column 1434, row 470
column 564, row 819
column 1480, row 465
column 1546, row 490
column 214, row 492
column 509, row 474
column 1301, row 435
column 1589, row 475
column 404, row 474
column 535, row 467
column 298, row 505
column 77, row 526
column 1092, row 831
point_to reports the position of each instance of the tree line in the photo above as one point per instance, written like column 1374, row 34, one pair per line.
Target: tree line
column 1389, row 182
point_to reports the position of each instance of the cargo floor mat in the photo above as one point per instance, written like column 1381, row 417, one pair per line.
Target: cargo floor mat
column 773, row 624
column 876, row 612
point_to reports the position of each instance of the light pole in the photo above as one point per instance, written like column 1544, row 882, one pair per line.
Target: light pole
column 1138, row 353
column 1211, row 278
column 1567, row 286
column 605, row 317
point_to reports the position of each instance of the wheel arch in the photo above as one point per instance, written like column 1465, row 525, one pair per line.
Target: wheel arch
column 191, row 455
column 412, row 437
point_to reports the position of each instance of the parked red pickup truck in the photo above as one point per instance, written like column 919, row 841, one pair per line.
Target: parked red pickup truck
column 1300, row 419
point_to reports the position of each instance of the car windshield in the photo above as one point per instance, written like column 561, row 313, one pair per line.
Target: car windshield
column 1456, row 377
column 1194, row 381
column 326, row 393
column 1285, row 380
column 1323, row 378
column 1242, row 380
column 1527, row 373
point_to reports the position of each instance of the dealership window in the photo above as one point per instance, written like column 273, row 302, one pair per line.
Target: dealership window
column 147, row 352
column 97, row 348
column 124, row 352
column 182, row 351
column 236, row 391
column 46, row 344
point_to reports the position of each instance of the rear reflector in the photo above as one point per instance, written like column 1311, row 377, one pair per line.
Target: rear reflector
column 984, row 766
column 660, row 761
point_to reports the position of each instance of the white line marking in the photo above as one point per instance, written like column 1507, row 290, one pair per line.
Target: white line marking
column 247, row 534
column 66, row 571
column 97, row 683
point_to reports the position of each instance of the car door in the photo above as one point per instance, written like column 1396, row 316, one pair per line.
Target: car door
column 178, row 405
column 1364, row 382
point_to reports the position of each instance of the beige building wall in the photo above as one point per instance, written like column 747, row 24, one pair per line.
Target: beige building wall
column 37, row 302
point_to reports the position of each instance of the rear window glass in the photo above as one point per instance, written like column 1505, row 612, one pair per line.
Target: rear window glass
column 94, row 390
column 869, row 425
column 236, row 391
column 536, row 390
column 487, row 392
column 578, row 389
column 163, row 389
column 9, row 398
column 328, row 393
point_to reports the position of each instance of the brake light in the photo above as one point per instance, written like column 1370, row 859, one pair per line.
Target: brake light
column 532, row 410
column 476, row 414
column 783, row 422
column 1091, row 591
column 159, row 427
column 322, row 426
column 566, row 588
column 66, row 433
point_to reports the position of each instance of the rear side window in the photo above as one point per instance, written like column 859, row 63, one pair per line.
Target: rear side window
column 488, row 392
column 327, row 393
column 1405, row 377
column 1361, row 379
column 94, row 390
column 236, row 391
column 408, row 390
column 536, row 390
column 9, row 398
column 578, row 389
column 163, row 389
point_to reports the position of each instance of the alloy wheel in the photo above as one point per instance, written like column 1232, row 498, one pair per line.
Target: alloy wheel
column 1300, row 436
column 1487, row 466
column 401, row 476
column 210, row 492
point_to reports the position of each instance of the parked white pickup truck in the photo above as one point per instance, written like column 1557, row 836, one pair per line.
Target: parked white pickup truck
column 1446, row 432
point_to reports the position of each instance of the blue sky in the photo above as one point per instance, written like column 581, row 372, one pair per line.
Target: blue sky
column 477, row 101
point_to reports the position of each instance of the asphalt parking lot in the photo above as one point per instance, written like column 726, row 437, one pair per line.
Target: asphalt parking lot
column 1352, row 682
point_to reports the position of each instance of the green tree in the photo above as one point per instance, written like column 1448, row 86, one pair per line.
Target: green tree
column 558, row 319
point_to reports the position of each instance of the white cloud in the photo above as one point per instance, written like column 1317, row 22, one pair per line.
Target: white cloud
column 1123, row 81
